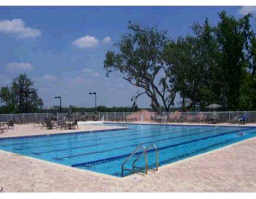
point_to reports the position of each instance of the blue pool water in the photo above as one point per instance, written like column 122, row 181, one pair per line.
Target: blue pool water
column 104, row 151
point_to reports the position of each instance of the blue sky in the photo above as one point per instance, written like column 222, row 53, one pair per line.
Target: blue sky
column 62, row 49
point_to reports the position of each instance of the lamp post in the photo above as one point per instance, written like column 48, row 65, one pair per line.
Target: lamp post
column 95, row 95
column 58, row 97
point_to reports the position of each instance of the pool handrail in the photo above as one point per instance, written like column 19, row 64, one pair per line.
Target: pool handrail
column 145, row 151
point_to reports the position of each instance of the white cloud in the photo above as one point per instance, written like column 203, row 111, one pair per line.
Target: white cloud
column 17, row 27
column 106, row 40
column 247, row 9
column 19, row 67
column 86, row 42
column 49, row 77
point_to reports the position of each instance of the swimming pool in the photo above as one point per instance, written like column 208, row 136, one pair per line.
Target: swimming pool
column 105, row 151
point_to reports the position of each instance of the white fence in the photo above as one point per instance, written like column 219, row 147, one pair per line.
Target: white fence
column 202, row 117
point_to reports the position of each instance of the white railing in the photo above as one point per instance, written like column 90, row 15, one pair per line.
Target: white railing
column 177, row 117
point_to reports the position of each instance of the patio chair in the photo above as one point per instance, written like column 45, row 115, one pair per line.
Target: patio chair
column 49, row 124
column 10, row 124
column 2, row 129
column 61, row 124
column 73, row 125
column 243, row 119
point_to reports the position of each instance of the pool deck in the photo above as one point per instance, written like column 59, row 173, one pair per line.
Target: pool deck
column 32, row 129
column 229, row 169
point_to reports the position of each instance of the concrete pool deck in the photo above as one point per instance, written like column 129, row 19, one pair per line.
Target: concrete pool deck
column 229, row 169
column 32, row 129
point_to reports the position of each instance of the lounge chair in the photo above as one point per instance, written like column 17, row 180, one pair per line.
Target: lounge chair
column 10, row 124
column 243, row 119
column 73, row 125
column 61, row 124
column 2, row 129
column 49, row 124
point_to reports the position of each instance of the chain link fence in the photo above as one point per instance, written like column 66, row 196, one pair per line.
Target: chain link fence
column 140, row 116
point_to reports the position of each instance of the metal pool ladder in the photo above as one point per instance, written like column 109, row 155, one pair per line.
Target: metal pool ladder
column 139, row 155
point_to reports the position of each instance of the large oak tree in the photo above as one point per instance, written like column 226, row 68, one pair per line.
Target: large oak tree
column 139, row 58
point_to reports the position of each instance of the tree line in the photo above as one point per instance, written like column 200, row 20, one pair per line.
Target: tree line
column 22, row 97
column 215, row 64
column 74, row 109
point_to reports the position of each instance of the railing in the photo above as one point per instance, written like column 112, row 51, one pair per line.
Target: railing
column 139, row 155
column 154, row 147
column 172, row 117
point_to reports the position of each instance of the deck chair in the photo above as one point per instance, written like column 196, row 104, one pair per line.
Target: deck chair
column 75, row 124
column 10, row 124
column 49, row 124
column 72, row 125
column 2, row 129
column 243, row 119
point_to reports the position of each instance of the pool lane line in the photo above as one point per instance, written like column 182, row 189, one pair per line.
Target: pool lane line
column 131, row 145
column 187, row 155
column 122, row 147
column 97, row 139
column 66, row 136
column 108, row 143
column 100, row 161
column 47, row 137
column 82, row 139
column 83, row 134
column 103, row 143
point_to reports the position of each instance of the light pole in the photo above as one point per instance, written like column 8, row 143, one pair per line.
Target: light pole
column 58, row 97
column 95, row 95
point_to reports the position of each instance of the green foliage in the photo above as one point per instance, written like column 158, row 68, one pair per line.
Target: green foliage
column 191, row 61
column 84, row 109
column 213, row 64
column 21, row 97
column 247, row 99
column 139, row 60
column 232, row 36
